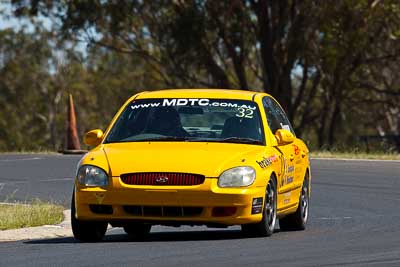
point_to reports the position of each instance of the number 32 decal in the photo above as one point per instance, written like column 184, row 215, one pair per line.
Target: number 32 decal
column 245, row 113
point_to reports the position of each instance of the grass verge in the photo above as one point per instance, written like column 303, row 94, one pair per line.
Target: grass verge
column 13, row 216
column 354, row 155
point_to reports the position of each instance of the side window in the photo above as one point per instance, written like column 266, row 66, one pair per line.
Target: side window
column 276, row 116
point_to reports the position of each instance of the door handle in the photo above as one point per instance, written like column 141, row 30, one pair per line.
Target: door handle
column 303, row 154
column 291, row 157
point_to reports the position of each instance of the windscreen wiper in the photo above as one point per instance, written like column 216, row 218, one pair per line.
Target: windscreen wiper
column 241, row 140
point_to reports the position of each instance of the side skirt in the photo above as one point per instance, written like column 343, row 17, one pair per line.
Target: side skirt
column 287, row 210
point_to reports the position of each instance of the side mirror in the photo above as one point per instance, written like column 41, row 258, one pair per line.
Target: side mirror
column 93, row 138
column 284, row 137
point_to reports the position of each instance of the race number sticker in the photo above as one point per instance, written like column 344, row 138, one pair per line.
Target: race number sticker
column 245, row 113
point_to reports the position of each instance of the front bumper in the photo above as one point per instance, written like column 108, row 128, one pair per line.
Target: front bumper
column 200, row 204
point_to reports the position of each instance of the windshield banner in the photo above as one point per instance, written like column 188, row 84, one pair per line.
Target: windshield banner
column 199, row 102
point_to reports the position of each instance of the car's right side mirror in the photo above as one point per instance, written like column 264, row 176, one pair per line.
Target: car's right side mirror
column 284, row 137
column 93, row 138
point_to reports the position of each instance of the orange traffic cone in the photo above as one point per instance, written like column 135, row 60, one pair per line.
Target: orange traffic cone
column 72, row 134
column 73, row 145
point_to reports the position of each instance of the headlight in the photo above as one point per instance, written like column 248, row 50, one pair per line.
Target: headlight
column 237, row 177
column 92, row 176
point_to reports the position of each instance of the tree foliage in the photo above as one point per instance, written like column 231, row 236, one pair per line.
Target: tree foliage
column 331, row 64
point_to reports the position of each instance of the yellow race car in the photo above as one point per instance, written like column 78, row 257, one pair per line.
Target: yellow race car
column 193, row 157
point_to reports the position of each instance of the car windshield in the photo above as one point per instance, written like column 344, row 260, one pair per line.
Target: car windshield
column 192, row 120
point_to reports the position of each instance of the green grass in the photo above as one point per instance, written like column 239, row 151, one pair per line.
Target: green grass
column 355, row 155
column 38, row 213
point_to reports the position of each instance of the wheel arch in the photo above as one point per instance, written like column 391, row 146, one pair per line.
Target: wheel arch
column 274, row 176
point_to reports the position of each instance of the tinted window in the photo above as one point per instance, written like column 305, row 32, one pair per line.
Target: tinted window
column 276, row 116
column 210, row 120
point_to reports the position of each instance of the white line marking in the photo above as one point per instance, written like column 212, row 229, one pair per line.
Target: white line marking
column 12, row 160
column 349, row 217
column 56, row 180
column 17, row 182
column 35, row 181
column 333, row 218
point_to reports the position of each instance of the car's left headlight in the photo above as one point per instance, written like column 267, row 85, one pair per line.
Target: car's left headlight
column 237, row 177
column 90, row 175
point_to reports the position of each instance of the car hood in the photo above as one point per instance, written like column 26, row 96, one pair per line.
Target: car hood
column 209, row 159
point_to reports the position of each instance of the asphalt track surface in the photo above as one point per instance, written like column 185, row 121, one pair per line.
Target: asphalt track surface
column 355, row 221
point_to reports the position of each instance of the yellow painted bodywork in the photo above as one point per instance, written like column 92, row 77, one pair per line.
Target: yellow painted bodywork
column 207, row 158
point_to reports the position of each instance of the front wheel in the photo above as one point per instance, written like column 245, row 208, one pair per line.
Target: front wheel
column 267, row 224
column 86, row 231
column 298, row 220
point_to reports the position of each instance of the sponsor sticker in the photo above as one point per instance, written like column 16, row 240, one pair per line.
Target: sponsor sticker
column 296, row 149
column 265, row 162
column 242, row 109
column 287, row 170
column 290, row 169
column 287, row 196
column 257, row 205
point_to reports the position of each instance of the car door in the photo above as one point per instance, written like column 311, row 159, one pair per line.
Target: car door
column 289, row 154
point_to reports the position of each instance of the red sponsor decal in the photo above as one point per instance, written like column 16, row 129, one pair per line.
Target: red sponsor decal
column 296, row 149
column 265, row 162
column 273, row 158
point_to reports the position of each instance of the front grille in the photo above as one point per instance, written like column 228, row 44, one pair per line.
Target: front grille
column 162, row 211
column 162, row 178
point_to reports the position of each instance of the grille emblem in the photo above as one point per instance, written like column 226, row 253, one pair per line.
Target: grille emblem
column 161, row 180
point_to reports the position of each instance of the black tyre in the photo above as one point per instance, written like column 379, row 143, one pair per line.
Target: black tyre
column 86, row 231
column 137, row 230
column 267, row 224
column 298, row 220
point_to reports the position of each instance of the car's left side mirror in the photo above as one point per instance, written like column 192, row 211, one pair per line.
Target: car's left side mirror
column 93, row 138
column 284, row 137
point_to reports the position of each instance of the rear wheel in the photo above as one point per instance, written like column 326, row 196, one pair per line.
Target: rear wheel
column 137, row 230
column 298, row 220
column 86, row 231
column 267, row 224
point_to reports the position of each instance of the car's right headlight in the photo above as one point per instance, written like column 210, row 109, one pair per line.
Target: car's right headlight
column 237, row 177
column 90, row 175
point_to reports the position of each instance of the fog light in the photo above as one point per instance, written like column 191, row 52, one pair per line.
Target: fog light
column 223, row 211
column 101, row 209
